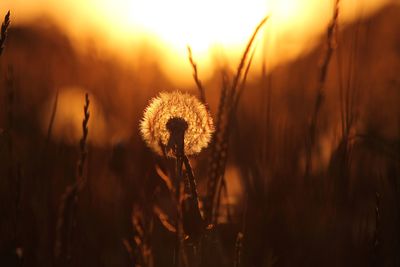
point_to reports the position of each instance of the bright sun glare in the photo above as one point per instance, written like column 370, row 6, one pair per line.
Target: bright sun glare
column 213, row 28
column 209, row 27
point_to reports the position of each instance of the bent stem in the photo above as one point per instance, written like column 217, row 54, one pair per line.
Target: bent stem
column 193, row 221
column 193, row 188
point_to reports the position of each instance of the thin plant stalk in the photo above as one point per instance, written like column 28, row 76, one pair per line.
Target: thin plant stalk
column 222, row 184
column 238, row 250
column 196, row 76
column 193, row 187
column 67, row 221
column 376, row 238
column 322, row 75
column 226, row 110
column 3, row 32
column 14, row 168
column 178, row 169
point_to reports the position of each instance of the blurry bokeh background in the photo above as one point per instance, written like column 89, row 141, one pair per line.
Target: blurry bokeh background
column 124, row 52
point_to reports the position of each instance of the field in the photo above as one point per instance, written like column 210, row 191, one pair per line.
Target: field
column 302, row 169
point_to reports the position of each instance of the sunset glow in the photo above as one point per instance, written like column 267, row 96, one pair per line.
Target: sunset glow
column 199, row 133
column 215, row 30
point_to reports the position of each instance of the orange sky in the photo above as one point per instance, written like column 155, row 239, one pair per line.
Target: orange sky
column 216, row 30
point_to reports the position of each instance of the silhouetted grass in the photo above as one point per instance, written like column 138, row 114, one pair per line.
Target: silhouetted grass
column 121, row 209
column 3, row 32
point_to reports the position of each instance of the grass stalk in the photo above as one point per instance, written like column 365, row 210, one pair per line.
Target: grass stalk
column 3, row 32
column 226, row 111
column 376, row 238
column 238, row 250
column 193, row 190
column 196, row 76
column 67, row 217
column 322, row 75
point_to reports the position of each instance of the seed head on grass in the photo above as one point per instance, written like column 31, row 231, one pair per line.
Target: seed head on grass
column 3, row 31
column 171, row 115
column 67, row 217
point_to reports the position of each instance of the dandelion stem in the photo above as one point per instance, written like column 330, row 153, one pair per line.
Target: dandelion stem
column 178, row 166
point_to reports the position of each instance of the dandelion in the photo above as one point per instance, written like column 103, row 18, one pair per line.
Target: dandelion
column 176, row 124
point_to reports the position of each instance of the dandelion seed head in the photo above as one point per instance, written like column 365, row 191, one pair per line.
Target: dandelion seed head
column 155, row 126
